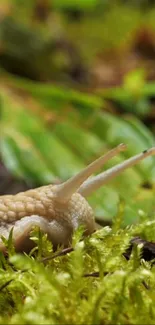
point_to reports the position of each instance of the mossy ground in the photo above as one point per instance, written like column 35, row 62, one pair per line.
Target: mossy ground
column 91, row 284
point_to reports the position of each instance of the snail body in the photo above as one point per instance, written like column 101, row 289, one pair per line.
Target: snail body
column 58, row 210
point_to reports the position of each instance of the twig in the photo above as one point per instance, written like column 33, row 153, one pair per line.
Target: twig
column 94, row 274
column 5, row 284
column 97, row 274
column 146, row 285
column 62, row 253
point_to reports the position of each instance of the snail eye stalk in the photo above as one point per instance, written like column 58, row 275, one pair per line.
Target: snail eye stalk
column 91, row 185
column 65, row 190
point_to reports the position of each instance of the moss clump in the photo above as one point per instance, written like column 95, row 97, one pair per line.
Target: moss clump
column 90, row 283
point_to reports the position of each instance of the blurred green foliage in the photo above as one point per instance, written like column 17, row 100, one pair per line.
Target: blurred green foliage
column 49, row 114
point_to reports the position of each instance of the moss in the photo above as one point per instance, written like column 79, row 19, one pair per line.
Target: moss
column 91, row 284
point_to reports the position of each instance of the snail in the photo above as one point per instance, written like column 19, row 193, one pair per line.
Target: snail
column 59, row 210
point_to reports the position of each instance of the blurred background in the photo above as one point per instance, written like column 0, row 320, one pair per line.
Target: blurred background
column 77, row 77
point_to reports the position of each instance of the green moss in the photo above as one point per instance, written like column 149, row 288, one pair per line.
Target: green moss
column 92, row 284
